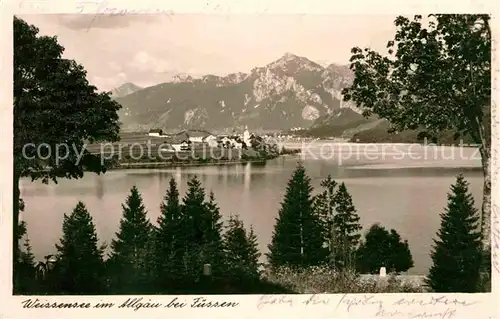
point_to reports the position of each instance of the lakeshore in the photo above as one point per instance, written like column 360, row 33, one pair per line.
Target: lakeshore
column 143, row 151
column 187, row 159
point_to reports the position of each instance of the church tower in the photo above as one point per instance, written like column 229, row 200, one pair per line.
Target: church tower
column 246, row 136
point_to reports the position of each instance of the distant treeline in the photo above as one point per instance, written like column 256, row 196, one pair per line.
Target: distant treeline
column 380, row 134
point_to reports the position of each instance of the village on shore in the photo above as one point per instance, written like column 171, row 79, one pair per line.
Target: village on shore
column 156, row 149
column 187, row 139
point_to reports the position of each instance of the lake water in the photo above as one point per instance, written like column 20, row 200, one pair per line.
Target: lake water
column 400, row 186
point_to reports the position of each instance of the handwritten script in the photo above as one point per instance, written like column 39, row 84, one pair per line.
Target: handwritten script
column 133, row 304
column 495, row 237
column 101, row 9
column 427, row 306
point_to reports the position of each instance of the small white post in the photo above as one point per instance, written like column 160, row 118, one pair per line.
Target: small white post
column 207, row 269
column 383, row 272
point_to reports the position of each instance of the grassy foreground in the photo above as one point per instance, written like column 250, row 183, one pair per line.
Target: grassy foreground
column 316, row 280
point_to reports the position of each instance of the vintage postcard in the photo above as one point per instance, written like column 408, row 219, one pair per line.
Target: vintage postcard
column 222, row 160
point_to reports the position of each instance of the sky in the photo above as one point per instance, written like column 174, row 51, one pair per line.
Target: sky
column 150, row 49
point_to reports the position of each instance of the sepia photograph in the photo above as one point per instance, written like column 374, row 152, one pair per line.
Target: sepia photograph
column 220, row 154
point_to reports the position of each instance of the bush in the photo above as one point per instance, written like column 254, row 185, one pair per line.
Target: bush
column 322, row 279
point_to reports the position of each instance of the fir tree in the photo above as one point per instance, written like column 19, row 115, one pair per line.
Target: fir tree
column 324, row 207
column 27, row 256
column 169, row 241
column 131, row 248
column 345, row 234
column 382, row 248
column 253, row 252
column 19, row 269
column 242, row 252
column 324, row 202
column 79, row 267
column 27, row 281
column 400, row 255
column 297, row 238
column 457, row 252
column 213, row 248
column 193, row 205
column 193, row 224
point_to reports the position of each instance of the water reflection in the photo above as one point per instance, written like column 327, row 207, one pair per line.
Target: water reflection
column 178, row 175
column 247, row 179
column 100, row 187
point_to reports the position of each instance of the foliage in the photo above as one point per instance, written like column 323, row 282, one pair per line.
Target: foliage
column 54, row 103
column 169, row 240
column 380, row 133
column 130, row 249
column 324, row 203
column 435, row 77
column 457, row 251
column 324, row 208
column 323, row 279
column 192, row 226
column 26, row 280
column 340, row 223
column 242, row 254
column 382, row 248
column 56, row 107
column 213, row 246
column 345, row 230
column 298, row 236
column 79, row 266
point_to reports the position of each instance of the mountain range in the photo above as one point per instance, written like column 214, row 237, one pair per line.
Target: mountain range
column 290, row 92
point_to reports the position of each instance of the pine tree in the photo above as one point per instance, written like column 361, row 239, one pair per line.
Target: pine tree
column 213, row 248
column 193, row 224
column 297, row 238
column 131, row 248
column 401, row 259
column 242, row 253
column 457, row 252
column 27, row 281
column 324, row 207
column 345, row 230
column 18, row 269
column 382, row 248
column 79, row 267
column 169, row 241
column 27, row 256
column 253, row 253
column 193, row 209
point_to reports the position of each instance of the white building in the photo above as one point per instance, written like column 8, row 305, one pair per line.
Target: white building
column 246, row 137
column 211, row 140
column 156, row 132
column 196, row 139
column 183, row 146
column 197, row 136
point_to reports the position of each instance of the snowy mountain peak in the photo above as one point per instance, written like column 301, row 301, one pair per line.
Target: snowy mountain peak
column 291, row 64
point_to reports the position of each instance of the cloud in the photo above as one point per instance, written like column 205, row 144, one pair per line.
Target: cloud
column 109, row 82
column 150, row 49
column 114, row 66
column 143, row 61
